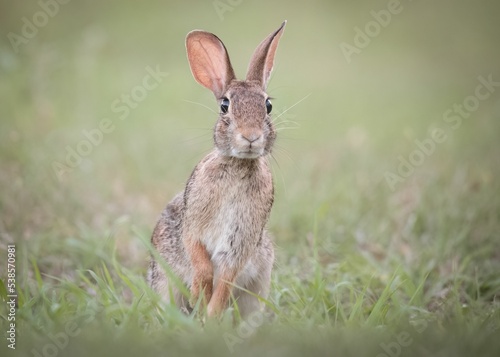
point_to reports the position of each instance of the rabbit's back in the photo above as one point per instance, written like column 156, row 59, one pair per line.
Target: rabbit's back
column 166, row 240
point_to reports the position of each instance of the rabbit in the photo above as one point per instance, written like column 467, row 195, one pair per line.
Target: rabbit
column 213, row 235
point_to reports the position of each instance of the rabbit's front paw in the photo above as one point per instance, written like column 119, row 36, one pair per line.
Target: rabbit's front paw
column 202, row 284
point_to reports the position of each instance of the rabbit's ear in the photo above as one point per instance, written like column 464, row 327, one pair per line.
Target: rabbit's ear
column 209, row 61
column 261, row 64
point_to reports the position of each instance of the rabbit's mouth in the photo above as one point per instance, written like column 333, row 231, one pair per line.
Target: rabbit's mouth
column 248, row 144
column 248, row 154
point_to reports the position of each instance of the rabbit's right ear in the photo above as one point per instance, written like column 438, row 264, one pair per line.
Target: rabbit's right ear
column 209, row 61
column 262, row 62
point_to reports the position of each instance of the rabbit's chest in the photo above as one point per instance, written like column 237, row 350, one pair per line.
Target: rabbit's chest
column 236, row 221
column 228, row 205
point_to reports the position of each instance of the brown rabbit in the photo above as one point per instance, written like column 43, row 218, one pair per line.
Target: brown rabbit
column 212, row 235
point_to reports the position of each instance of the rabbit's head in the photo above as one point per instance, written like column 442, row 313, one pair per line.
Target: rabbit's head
column 244, row 128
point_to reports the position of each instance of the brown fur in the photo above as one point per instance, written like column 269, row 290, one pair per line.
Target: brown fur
column 212, row 235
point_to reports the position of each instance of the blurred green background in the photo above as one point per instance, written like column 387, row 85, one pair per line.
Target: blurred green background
column 362, row 114
column 344, row 125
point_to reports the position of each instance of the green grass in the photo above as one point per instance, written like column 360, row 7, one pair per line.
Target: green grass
column 361, row 269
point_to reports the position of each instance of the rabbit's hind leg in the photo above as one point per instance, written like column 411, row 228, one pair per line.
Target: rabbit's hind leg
column 168, row 291
column 256, row 287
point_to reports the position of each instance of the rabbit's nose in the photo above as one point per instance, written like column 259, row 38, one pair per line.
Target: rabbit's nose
column 252, row 137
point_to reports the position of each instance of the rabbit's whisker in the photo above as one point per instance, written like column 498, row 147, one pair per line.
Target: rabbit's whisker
column 201, row 105
column 282, row 150
column 286, row 110
column 292, row 124
column 286, row 122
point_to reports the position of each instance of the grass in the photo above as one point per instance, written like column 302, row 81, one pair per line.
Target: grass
column 361, row 269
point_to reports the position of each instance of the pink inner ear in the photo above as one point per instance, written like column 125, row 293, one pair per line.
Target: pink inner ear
column 209, row 61
column 270, row 57
column 261, row 64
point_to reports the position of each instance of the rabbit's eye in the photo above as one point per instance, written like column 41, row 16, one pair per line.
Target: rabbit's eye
column 269, row 106
column 224, row 105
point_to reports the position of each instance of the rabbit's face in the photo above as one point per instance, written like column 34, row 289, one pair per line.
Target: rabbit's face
column 244, row 129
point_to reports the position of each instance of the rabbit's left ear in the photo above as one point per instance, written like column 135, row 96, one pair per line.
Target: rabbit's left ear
column 209, row 61
column 261, row 64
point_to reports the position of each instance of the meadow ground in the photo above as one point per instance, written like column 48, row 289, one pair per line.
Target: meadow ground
column 387, row 166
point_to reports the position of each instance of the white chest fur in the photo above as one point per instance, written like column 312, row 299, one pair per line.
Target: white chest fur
column 230, row 222
column 228, row 211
